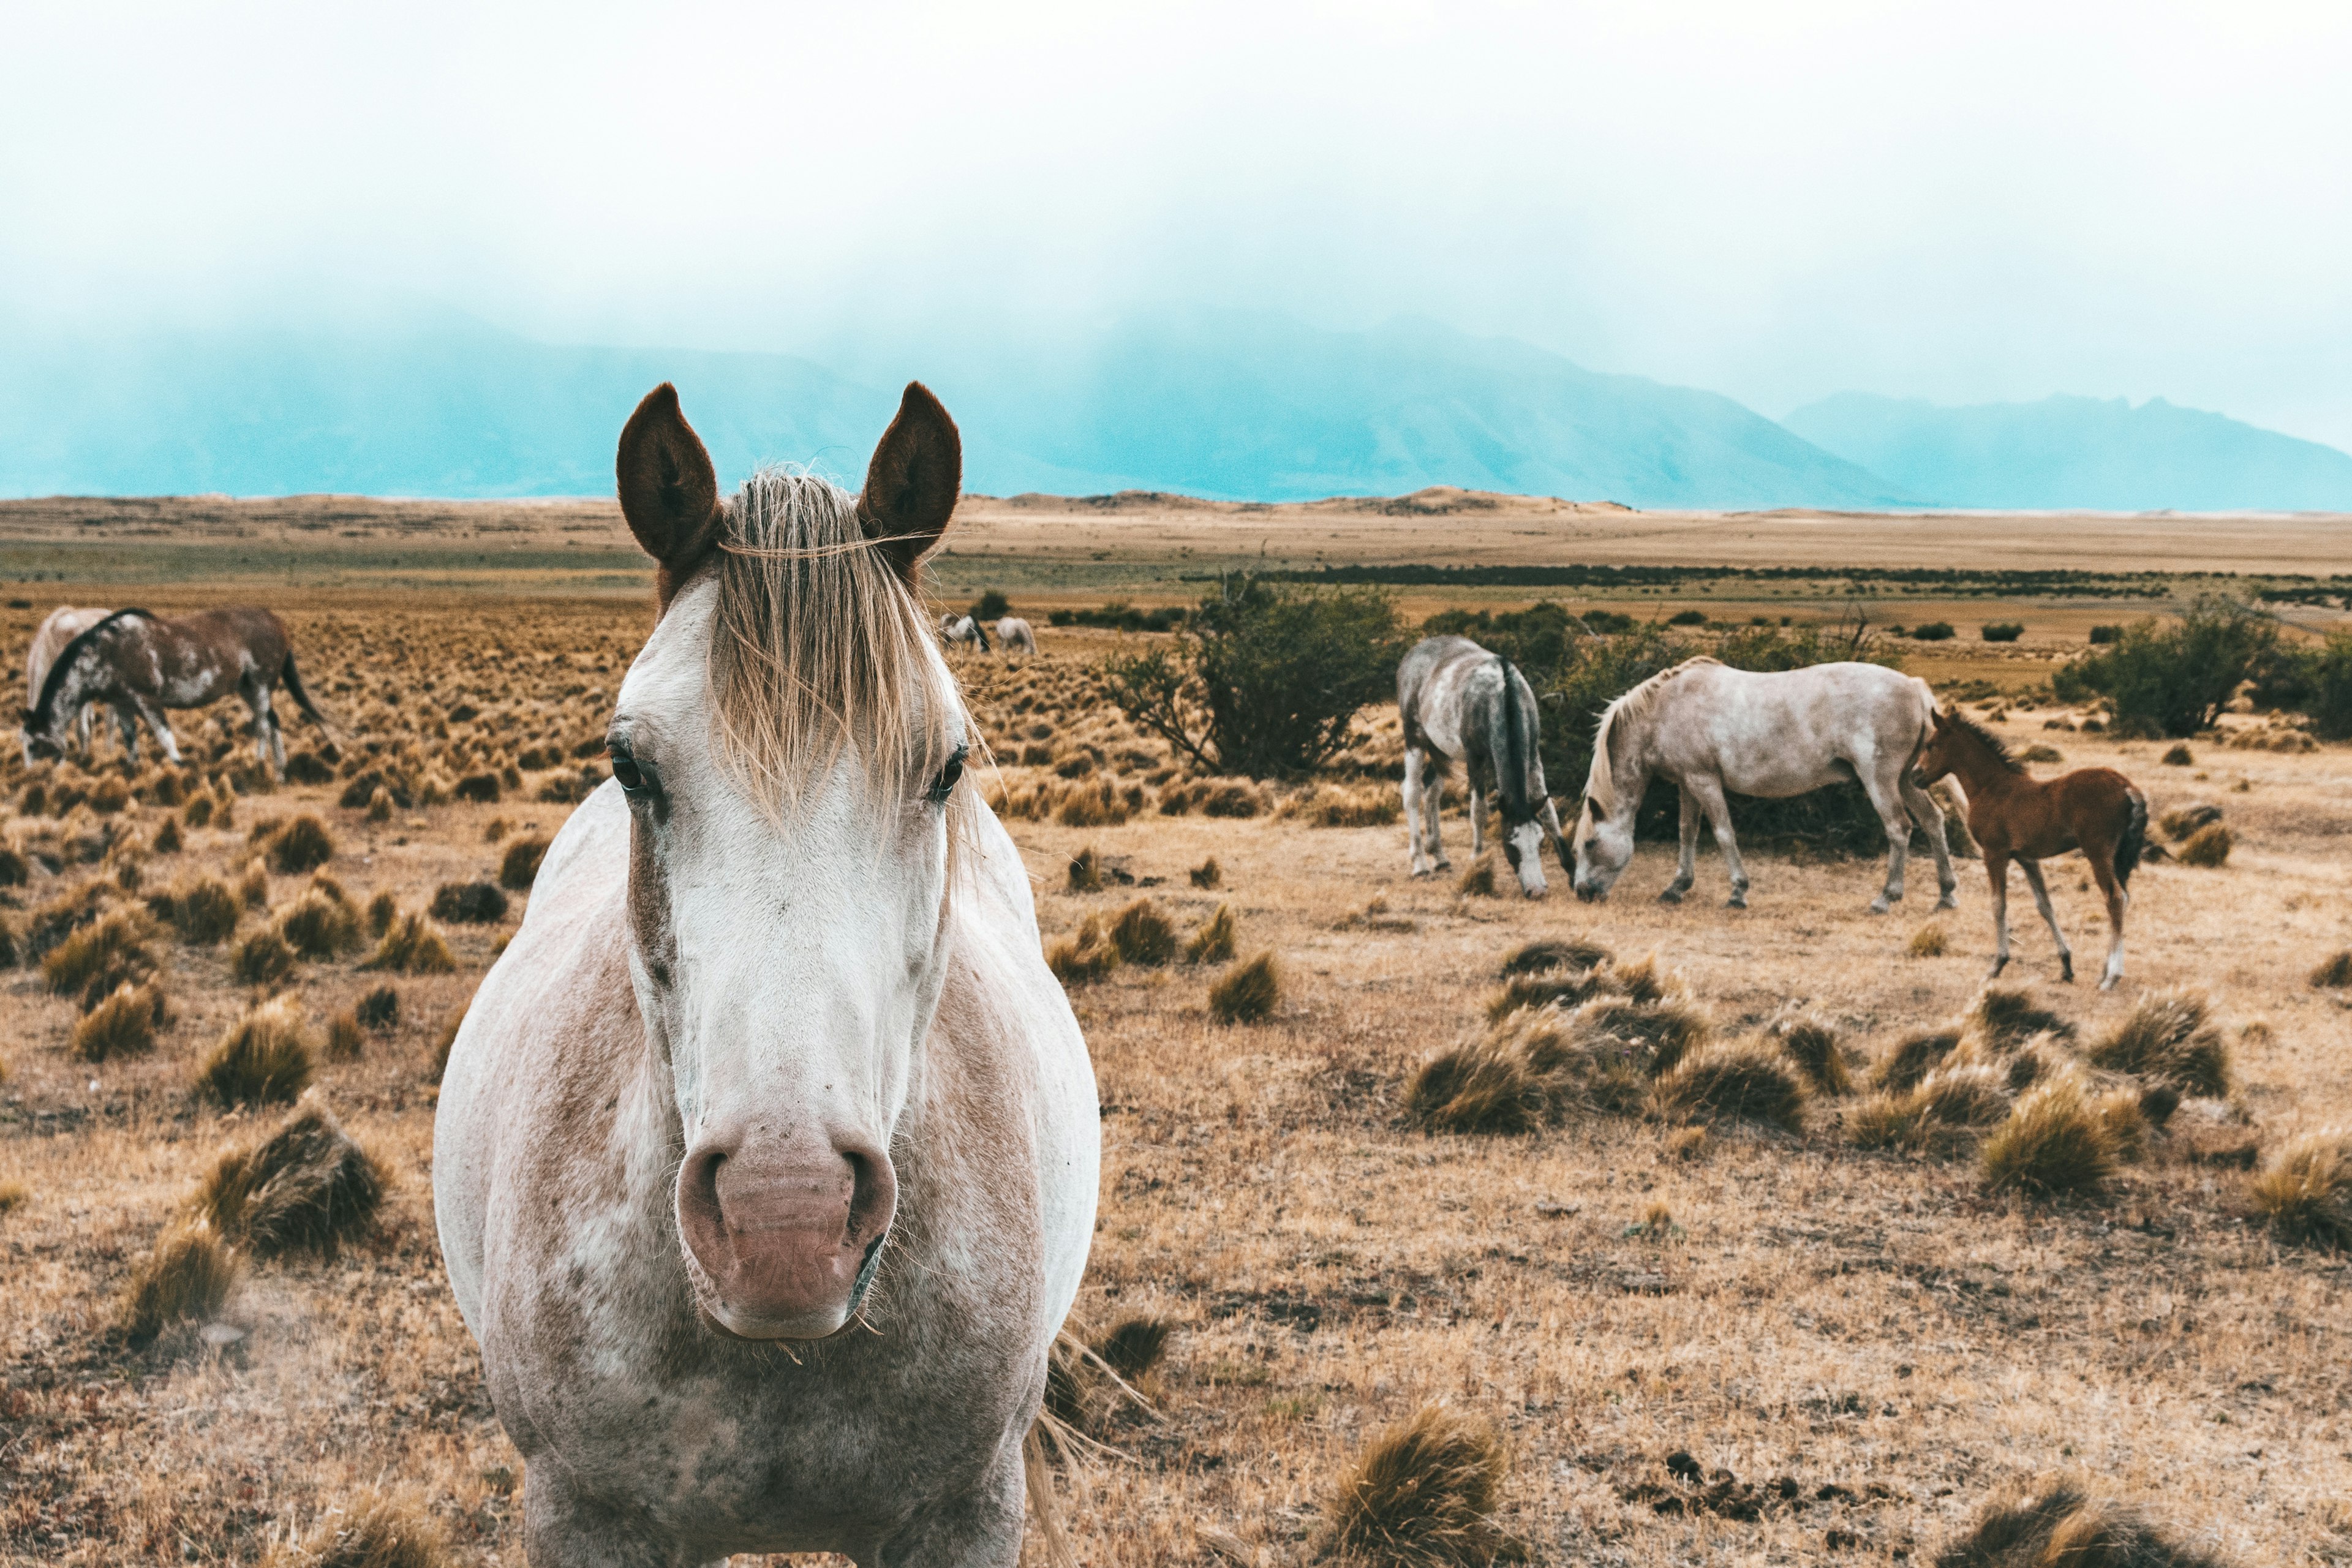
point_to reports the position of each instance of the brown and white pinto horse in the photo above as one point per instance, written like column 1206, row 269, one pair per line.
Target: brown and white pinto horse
column 767, row 1154
column 2017, row 817
column 139, row 663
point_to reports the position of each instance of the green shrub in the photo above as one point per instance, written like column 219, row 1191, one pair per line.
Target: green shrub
column 1265, row 677
column 991, row 606
column 2001, row 631
column 1536, row 638
column 2102, row 635
column 2174, row 679
column 1932, row 631
column 1687, row 618
column 2316, row 680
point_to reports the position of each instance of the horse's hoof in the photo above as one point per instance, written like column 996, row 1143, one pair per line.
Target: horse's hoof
column 1737, row 901
column 1997, row 965
column 1445, row 865
column 1671, row 896
column 2066, row 977
column 1880, row 907
column 2109, row 983
column 1948, row 902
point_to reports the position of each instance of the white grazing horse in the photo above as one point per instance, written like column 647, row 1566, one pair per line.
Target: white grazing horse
column 1709, row 727
column 963, row 631
column 1457, row 700
column 1012, row 633
column 767, row 1154
column 57, row 629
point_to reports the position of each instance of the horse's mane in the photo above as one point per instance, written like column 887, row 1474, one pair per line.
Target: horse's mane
column 1601, row 783
column 1987, row 739
column 817, row 644
column 1513, row 772
column 56, row 679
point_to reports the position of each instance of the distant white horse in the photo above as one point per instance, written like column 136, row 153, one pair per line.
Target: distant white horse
column 1457, row 700
column 1710, row 729
column 1013, row 633
column 57, row 629
column 962, row 631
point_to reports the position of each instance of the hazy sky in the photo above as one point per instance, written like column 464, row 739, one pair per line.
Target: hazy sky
column 1964, row 202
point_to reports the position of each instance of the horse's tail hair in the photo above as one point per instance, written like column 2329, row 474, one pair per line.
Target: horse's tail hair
column 2133, row 841
column 1513, row 781
column 1037, row 1469
column 293, row 680
column 980, row 630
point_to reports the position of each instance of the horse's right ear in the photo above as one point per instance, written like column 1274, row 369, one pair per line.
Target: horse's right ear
column 911, row 484
column 669, row 492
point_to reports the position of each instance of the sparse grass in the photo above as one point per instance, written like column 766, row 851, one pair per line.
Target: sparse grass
column 2305, row 1190
column 265, row 1059
column 188, row 1279
column 1425, row 1492
column 1143, row 935
column 1214, row 942
column 1249, row 994
column 306, row 1187
column 2207, row 848
column 2054, row 1143
column 2169, row 1035
column 1929, row 942
column 372, row 1530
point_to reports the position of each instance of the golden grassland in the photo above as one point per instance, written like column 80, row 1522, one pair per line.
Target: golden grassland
column 1736, row 1345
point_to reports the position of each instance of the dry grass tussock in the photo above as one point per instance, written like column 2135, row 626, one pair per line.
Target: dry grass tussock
column 2007, row 1017
column 2059, row 1525
column 518, row 866
column 1548, row 953
column 2055, row 1142
column 188, row 1279
column 124, row 1025
column 1088, row 956
column 2207, row 847
column 1249, row 994
column 1143, row 935
column 411, row 945
column 265, row 1059
column 1086, row 1379
column 2304, row 1191
column 307, row 1188
column 203, row 911
column 1425, row 1492
column 1214, row 941
column 1746, row 1081
column 1811, row 1041
column 94, row 960
column 1912, row 1058
column 263, row 958
column 322, row 923
column 2169, row 1035
column 292, row 847
column 372, row 1530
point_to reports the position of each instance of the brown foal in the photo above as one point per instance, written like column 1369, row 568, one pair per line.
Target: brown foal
column 2018, row 817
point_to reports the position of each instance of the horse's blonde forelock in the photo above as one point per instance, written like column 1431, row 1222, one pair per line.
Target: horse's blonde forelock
column 818, row 646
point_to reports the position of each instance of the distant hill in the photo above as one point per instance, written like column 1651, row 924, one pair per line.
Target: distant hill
column 2078, row 452
column 1209, row 404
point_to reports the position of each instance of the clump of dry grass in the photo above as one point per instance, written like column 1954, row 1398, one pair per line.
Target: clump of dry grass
column 411, row 945
column 320, row 925
column 2182, row 821
column 263, row 958
column 124, row 1025
column 1666, row 1029
column 1423, row 1493
column 1082, row 1378
column 1086, row 874
column 1547, row 953
column 188, row 1278
column 2169, row 1035
column 379, row 1009
column 344, row 1041
column 1746, row 1081
column 1547, row 990
column 518, row 866
column 1331, row 806
column 263, row 1059
column 1641, row 980
column 1143, row 935
column 2306, row 1190
column 14, row 1196
column 1929, row 942
column 100, row 956
column 382, row 910
column 253, row 887
column 2208, row 847
column 2007, row 1016
column 1098, row 804
column 1811, row 1041
column 2054, row 1142
column 2059, row 1526
column 167, row 840
column 1478, row 882
column 469, row 903
column 307, row 1188
column 1214, row 942
column 1084, row 958
column 1912, row 1058
column 302, row 844
column 1487, row 1086
column 1208, row 875
column 202, row 910
column 1249, row 994
column 374, row 1530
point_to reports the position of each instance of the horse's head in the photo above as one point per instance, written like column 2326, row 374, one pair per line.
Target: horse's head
column 789, row 741
column 1523, row 848
column 1935, row 758
column 1603, row 845
column 41, row 744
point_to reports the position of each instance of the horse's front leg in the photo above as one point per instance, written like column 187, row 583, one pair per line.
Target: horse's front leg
column 126, row 725
column 1887, row 801
column 979, row 1528
column 2032, row 869
column 1996, row 871
column 1687, row 869
column 562, row 1530
column 1718, row 815
column 152, row 712
column 1416, row 861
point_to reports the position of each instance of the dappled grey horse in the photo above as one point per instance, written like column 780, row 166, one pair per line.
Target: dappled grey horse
column 58, row 628
column 1460, row 701
column 963, row 631
column 1711, row 729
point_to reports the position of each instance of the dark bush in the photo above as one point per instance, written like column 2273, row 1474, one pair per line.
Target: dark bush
column 520, row 867
column 480, row 788
column 1536, row 638
column 1687, row 618
column 1264, row 677
column 309, row 768
column 469, row 903
column 2314, row 679
column 2101, row 635
column 2001, row 631
column 1121, row 616
column 1932, row 631
column 2174, row 679
column 991, row 606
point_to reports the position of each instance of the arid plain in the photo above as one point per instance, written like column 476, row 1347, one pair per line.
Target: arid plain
column 1745, row 1344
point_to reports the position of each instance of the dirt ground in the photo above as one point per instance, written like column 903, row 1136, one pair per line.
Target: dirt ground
column 1880, row 1331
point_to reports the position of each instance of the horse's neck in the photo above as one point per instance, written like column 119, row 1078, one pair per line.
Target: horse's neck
column 1981, row 774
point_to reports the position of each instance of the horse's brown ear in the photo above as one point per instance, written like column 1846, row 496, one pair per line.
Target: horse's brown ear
column 669, row 492
column 911, row 484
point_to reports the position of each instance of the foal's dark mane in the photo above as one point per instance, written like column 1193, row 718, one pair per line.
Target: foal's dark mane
column 1513, row 773
column 1987, row 739
column 64, row 661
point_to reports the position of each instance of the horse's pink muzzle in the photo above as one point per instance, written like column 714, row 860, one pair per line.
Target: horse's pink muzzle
column 782, row 1238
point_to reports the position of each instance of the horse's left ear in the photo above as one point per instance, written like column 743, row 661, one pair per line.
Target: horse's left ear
column 669, row 492
column 911, row 484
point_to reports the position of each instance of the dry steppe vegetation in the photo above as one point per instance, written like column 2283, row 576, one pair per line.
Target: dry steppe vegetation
column 1484, row 1230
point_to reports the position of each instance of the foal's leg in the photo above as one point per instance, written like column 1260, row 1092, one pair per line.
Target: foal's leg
column 2032, row 869
column 1997, row 871
column 1686, row 872
column 2103, row 868
column 1415, row 859
column 1930, row 817
column 154, row 713
column 1718, row 815
column 1887, row 801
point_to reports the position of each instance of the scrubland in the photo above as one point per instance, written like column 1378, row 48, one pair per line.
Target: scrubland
column 1658, row 1320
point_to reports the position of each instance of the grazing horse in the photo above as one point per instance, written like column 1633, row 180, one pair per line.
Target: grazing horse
column 1459, row 700
column 1709, row 729
column 963, row 631
column 1013, row 633
column 2018, row 817
column 141, row 663
column 766, row 1159
column 58, row 629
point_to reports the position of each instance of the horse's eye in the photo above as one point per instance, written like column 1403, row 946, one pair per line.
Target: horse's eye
column 944, row 785
column 626, row 769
